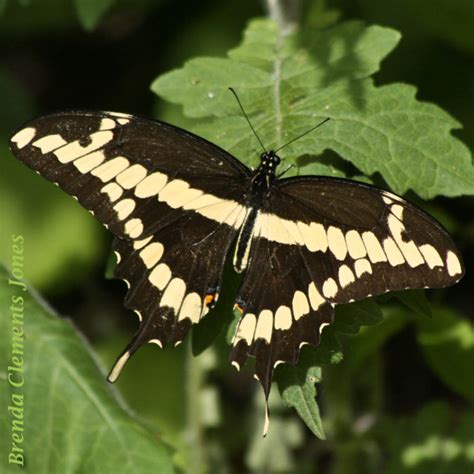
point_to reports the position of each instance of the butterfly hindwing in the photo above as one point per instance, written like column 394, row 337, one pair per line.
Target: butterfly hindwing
column 173, row 278
column 319, row 242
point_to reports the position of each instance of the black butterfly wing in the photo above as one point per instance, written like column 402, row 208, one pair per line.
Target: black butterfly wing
column 322, row 241
column 173, row 200
column 132, row 173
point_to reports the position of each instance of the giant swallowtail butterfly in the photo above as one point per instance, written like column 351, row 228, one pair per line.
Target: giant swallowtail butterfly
column 178, row 205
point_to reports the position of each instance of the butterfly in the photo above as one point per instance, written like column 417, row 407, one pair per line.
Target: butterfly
column 179, row 205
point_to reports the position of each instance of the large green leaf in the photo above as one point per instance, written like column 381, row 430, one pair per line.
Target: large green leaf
column 432, row 442
column 74, row 422
column 447, row 341
column 288, row 83
column 91, row 11
column 297, row 382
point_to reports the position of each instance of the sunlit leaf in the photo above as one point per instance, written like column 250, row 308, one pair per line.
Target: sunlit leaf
column 289, row 83
column 91, row 11
column 431, row 442
column 447, row 341
column 74, row 421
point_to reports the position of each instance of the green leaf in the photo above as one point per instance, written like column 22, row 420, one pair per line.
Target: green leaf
column 298, row 390
column 73, row 420
column 431, row 443
column 91, row 11
column 276, row 452
column 287, row 83
column 350, row 317
column 447, row 341
column 372, row 338
column 297, row 382
column 57, row 253
column 416, row 301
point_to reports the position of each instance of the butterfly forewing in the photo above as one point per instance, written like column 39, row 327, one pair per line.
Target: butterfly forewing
column 131, row 173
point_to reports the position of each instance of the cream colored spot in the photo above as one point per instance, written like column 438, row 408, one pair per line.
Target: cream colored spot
column 323, row 325
column 203, row 201
column 124, row 208
column 113, row 190
column 337, row 243
column 329, row 288
column 453, row 264
column 236, row 365
column 246, row 329
column 431, row 255
column 300, row 305
column 117, row 368
column 393, row 253
column 134, row 228
column 123, row 121
column 374, row 249
column 157, row 342
column 174, row 294
column 151, row 185
column 139, row 315
column 138, row 244
column 236, row 217
column 131, row 176
column 346, row 277
column 264, row 325
column 23, row 137
column 107, row 124
column 397, row 210
column 315, row 298
column 283, row 318
column 160, row 276
column 90, row 161
column 117, row 256
column 110, row 168
column 191, row 308
column 74, row 150
column 409, row 249
column 177, row 192
column 49, row 143
column 362, row 266
column 151, row 254
column 120, row 114
column 271, row 227
column 355, row 245
column 314, row 236
column 293, row 230
column 219, row 211
column 387, row 200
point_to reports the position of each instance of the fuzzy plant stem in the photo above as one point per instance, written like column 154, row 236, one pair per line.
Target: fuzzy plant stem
column 284, row 12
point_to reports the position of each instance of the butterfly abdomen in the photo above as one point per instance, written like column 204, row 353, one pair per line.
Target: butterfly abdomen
column 244, row 240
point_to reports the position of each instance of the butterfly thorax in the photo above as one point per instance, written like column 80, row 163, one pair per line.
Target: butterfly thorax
column 262, row 181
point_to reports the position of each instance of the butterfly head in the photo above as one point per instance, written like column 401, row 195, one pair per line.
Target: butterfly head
column 269, row 161
column 265, row 173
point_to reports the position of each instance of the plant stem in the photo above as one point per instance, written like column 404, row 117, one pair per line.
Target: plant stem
column 284, row 12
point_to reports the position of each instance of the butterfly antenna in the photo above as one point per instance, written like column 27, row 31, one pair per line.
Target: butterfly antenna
column 303, row 134
column 247, row 118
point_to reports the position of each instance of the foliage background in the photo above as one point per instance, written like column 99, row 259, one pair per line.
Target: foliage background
column 401, row 399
